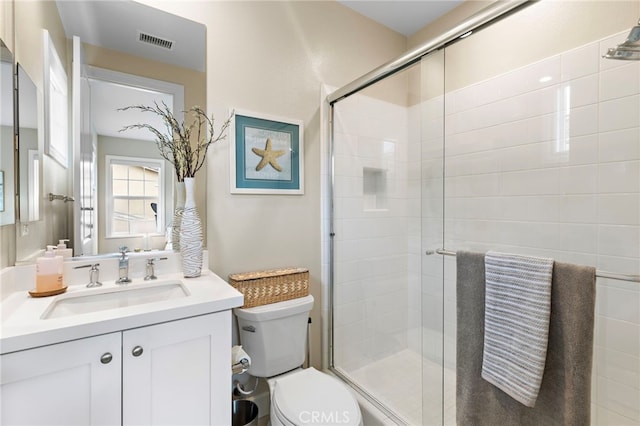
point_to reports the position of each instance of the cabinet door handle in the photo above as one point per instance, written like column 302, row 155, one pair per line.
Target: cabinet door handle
column 106, row 358
column 137, row 351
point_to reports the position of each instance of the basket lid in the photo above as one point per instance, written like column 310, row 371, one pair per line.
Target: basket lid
column 244, row 276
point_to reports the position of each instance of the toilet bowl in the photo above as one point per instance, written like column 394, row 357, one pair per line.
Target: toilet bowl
column 274, row 335
column 310, row 397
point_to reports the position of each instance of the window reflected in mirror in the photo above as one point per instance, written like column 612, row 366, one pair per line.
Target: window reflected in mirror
column 33, row 208
column 134, row 202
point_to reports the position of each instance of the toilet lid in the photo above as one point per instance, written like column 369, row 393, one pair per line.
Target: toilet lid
column 312, row 397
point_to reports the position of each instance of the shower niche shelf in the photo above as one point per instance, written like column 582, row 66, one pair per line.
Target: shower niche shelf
column 374, row 189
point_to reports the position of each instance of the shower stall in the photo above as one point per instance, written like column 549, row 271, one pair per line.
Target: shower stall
column 518, row 137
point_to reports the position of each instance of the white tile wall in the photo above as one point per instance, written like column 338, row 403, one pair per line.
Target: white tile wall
column 569, row 189
column 374, row 260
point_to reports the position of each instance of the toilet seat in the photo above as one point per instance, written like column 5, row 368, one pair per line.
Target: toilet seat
column 311, row 397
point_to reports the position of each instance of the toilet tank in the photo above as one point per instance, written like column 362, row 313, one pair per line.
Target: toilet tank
column 274, row 335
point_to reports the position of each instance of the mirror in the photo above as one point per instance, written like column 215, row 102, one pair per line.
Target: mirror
column 136, row 204
column 7, row 187
column 29, row 161
column 122, row 38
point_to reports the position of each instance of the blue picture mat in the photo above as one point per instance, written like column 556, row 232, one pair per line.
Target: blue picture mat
column 290, row 177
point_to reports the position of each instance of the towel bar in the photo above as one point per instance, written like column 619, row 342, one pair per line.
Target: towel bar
column 600, row 274
column 65, row 198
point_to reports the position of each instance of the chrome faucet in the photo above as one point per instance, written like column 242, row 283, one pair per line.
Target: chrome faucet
column 150, row 274
column 93, row 275
column 123, row 267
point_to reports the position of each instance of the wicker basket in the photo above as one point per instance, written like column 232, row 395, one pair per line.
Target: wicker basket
column 274, row 285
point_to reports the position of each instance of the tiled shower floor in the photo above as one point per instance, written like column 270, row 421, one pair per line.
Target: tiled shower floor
column 396, row 382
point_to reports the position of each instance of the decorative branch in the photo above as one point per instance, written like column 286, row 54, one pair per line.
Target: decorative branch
column 175, row 143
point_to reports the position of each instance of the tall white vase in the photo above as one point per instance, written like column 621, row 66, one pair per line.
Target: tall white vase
column 190, row 234
column 177, row 216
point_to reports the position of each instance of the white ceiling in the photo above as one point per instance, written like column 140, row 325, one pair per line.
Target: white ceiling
column 116, row 24
column 405, row 17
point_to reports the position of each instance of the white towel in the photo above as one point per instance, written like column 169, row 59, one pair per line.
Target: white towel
column 517, row 310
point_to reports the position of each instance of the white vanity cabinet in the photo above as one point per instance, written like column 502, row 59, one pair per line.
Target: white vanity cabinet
column 72, row 383
column 177, row 372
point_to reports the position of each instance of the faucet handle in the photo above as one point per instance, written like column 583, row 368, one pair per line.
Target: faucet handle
column 94, row 274
column 123, row 250
column 150, row 274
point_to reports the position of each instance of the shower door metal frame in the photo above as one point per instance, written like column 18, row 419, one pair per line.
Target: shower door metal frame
column 486, row 16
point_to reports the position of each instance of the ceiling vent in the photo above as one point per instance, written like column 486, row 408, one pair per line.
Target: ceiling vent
column 156, row 41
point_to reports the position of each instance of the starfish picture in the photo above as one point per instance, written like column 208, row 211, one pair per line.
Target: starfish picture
column 269, row 156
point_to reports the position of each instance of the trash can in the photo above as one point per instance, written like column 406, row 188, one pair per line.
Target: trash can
column 244, row 413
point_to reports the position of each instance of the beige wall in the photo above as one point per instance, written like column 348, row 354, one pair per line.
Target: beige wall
column 8, row 241
column 423, row 77
column 503, row 47
column 6, row 23
column 446, row 22
column 30, row 18
column 514, row 51
column 273, row 57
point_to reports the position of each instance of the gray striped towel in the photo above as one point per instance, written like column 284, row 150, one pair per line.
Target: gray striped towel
column 517, row 310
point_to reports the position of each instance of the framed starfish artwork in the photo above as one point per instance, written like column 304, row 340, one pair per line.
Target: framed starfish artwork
column 266, row 154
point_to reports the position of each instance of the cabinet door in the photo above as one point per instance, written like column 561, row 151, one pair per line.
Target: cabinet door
column 72, row 383
column 178, row 373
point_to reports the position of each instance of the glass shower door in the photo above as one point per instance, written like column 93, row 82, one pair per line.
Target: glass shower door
column 437, row 310
column 387, row 295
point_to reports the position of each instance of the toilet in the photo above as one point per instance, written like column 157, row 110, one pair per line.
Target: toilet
column 274, row 336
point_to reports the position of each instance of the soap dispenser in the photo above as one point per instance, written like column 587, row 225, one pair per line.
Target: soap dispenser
column 62, row 249
column 49, row 270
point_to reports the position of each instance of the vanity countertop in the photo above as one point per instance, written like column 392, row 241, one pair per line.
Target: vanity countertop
column 23, row 327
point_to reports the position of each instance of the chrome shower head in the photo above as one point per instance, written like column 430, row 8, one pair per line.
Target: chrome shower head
column 630, row 49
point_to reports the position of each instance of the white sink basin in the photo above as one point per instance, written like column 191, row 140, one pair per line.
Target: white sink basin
column 101, row 299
